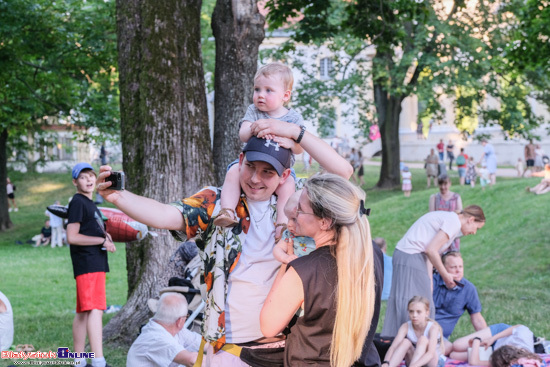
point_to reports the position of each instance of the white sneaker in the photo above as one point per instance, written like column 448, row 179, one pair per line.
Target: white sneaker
column 16, row 209
column 10, row 209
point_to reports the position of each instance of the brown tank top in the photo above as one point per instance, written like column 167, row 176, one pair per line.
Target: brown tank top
column 309, row 340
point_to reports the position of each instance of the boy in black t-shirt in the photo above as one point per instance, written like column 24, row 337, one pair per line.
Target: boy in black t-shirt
column 89, row 243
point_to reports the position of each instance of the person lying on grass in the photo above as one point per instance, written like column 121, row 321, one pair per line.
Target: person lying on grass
column 495, row 336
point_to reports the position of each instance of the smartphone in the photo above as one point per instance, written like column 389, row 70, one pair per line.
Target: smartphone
column 117, row 179
column 461, row 285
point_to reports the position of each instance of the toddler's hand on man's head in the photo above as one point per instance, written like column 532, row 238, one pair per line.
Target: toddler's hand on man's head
column 284, row 142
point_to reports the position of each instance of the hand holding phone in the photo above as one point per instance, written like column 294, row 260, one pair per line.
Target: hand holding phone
column 117, row 181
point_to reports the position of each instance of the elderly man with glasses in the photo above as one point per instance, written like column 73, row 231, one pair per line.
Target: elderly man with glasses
column 164, row 340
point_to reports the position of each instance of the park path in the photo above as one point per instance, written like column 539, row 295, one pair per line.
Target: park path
column 501, row 172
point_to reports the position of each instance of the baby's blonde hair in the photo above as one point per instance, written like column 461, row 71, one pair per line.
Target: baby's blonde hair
column 279, row 69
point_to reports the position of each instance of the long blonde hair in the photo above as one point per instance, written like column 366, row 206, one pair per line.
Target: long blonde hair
column 338, row 200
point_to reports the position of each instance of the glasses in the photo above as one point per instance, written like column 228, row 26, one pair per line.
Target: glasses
column 298, row 212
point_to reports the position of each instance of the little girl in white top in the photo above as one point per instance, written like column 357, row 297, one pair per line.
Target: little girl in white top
column 418, row 341
column 407, row 181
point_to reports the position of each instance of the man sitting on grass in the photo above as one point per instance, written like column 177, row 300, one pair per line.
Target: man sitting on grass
column 451, row 303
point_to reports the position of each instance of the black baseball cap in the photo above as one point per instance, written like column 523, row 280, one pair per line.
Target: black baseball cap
column 268, row 151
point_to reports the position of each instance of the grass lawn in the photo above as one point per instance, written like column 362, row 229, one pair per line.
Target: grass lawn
column 507, row 260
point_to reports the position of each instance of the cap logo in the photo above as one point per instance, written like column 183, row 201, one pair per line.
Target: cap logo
column 274, row 144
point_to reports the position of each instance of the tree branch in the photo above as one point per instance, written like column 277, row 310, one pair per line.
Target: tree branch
column 57, row 107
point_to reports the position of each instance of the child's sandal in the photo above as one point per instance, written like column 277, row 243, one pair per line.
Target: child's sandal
column 226, row 218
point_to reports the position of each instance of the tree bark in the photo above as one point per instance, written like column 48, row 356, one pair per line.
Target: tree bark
column 165, row 137
column 239, row 30
column 5, row 221
column 388, row 108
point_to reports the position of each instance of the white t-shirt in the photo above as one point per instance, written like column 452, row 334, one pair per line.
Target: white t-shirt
column 421, row 233
column 6, row 324
column 406, row 177
column 190, row 340
column 155, row 346
column 250, row 281
column 55, row 221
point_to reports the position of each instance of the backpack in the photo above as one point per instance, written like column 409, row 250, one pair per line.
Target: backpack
column 461, row 160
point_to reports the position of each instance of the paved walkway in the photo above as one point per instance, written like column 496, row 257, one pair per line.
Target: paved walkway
column 501, row 172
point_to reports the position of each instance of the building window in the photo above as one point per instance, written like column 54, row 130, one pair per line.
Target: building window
column 65, row 149
column 326, row 68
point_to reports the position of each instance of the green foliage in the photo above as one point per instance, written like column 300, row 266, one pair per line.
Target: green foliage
column 208, row 43
column 431, row 49
column 58, row 59
column 529, row 46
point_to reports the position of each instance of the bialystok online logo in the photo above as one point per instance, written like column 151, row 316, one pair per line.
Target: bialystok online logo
column 62, row 353
column 66, row 353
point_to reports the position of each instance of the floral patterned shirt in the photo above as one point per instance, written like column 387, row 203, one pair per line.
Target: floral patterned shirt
column 219, row 248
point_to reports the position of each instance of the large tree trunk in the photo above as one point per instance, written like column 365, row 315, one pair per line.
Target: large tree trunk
column 239, row 29
column 5, row 221
column 165, row 138
column 388, row 108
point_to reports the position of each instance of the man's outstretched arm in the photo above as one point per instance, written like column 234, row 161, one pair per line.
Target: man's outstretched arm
column 142, row 209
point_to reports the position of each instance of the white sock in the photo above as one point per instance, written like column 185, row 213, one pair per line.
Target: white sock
column 98, row 362
column 80, row 362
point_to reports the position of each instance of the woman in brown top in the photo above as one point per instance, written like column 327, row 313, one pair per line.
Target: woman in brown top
column 334, row 284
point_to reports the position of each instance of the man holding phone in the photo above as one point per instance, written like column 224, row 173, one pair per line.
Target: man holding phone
column 451, row 303
column 237, row 275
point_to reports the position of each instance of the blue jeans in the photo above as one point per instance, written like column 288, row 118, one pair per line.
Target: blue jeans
column 497, row 328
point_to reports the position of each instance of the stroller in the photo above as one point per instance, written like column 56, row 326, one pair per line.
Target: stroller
column 186, row 265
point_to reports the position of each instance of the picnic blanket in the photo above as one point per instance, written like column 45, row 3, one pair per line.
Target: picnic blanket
column 456, row 363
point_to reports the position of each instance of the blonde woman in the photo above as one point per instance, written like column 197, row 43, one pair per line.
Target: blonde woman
column 334, row 284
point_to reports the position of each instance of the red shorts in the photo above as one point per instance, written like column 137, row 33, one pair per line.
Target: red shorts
column 90, row 292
